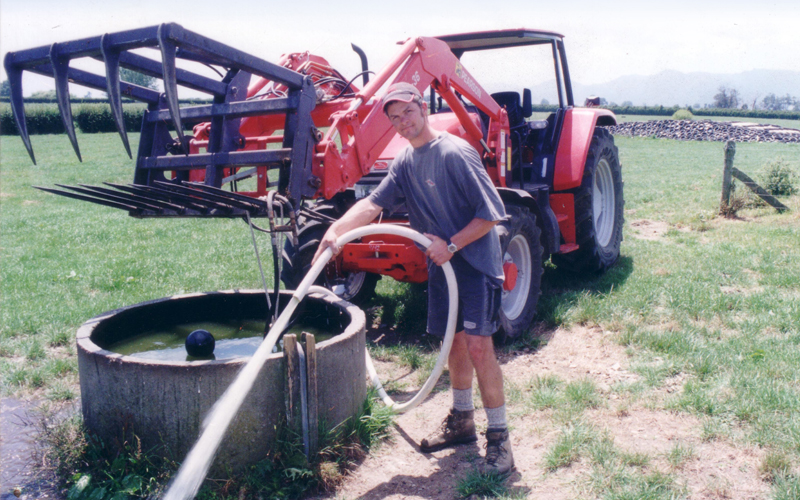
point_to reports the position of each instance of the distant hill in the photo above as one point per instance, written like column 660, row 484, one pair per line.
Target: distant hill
column 670, row 87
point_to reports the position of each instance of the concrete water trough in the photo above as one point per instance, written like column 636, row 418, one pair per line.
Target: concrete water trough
column 164, row 402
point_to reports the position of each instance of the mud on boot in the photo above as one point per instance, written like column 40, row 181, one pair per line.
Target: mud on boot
column 457, row 428
column 499, row 457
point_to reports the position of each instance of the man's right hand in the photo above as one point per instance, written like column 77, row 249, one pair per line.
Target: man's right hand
column 328, row 241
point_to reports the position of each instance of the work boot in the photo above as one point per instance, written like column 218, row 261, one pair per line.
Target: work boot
column 499, row 458
column 457, row 428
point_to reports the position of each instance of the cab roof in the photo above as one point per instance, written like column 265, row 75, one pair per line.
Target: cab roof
column 483, row 40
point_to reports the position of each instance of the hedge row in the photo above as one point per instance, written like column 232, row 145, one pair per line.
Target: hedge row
column 40, row 119
column 89, row 118
column 669, row 111
column 753, row 113
column 93, row 118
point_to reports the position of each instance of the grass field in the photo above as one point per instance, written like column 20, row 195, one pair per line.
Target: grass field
column 714, row 300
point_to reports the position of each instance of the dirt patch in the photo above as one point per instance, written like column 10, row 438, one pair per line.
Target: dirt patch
column 577, row 353
column 651, row 230
column 722, row 470
column 713, row 469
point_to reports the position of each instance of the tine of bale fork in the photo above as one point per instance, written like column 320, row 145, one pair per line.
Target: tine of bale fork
column 111, row 59
column 237, row 196
column 81, row 197
column 168, row 48
column 210, row 197
column 17, row 103
column 61, row 75
column 161, row 194
column 110, row 197
column 134, row 198
column 191, row 194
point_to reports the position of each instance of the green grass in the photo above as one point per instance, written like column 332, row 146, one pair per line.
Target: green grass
column 775, row 466
column 712, row 300
column 567, row 400
column 679, row 455
column 787, row 488
column 482, row 485
column 569, row 446
column 88, row 468
column 615, row 474
column 415, row 356
column 717, row 301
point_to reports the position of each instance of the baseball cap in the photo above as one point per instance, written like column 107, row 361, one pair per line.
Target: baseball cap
column 401, row 91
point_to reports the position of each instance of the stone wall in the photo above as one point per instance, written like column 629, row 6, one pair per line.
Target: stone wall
column 707, row 130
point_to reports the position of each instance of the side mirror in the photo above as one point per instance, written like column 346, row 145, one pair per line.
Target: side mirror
column 527, row 105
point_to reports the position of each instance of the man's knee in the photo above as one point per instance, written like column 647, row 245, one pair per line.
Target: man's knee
column 479, row 348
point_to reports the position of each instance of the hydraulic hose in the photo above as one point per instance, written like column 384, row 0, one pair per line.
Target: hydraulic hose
column 194, row 468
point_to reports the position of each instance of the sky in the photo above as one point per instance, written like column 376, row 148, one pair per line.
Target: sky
column 604, row 40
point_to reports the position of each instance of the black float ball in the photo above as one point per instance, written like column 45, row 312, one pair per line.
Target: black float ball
column 200, row 344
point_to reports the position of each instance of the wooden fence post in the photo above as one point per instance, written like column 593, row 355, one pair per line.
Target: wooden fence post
column 725, row 202
column 292, row 394
column 311, row 400
column 730, row 172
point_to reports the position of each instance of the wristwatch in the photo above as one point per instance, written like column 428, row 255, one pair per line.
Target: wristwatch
column 452, row 248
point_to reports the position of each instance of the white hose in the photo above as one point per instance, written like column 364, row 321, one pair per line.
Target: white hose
column 194, row 468
column 452, row 316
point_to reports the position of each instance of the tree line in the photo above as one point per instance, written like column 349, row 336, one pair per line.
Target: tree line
column 729, row 98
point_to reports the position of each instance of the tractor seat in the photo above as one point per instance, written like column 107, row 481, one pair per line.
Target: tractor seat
column 510, row 101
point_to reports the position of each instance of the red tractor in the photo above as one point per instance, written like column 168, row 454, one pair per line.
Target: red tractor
column 301, row 128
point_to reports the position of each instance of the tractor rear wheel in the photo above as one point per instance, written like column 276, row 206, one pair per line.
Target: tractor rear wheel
column 598, row 209
column 520, row 241
column 355, row 287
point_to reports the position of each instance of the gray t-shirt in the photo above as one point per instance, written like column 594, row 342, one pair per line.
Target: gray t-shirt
column 445, row 186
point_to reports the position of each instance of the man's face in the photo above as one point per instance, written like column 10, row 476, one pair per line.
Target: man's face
column 407, row 118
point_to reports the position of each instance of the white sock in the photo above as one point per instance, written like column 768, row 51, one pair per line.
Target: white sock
column 496, row 418
column 462, row 399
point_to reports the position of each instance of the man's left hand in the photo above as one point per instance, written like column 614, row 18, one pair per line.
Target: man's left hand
column 438, row 251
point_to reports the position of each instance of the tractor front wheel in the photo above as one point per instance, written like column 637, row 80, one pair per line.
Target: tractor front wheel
column 598, row 209
column 520, row 241
column 355, row 287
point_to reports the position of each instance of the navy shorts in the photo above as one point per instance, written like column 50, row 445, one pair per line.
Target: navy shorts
column 478, row 299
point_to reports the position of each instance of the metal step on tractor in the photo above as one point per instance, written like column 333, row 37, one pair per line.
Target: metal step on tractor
column 297, row 143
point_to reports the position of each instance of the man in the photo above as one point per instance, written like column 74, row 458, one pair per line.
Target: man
column 451, row 199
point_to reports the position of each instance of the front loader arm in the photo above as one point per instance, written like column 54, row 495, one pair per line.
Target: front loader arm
column 422, row 62
column 299, row 96
column 165, row 158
